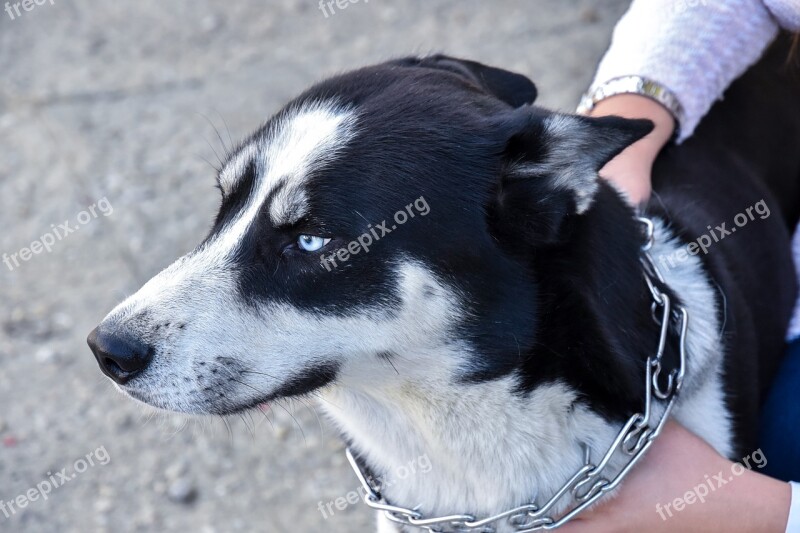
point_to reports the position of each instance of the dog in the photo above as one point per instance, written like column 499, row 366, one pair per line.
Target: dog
column 502, row 334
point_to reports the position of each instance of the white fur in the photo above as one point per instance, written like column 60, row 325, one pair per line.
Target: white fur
column 489, row 448
column 304, row 140
column 567, row 162
column 232, row 172
column 701, row 407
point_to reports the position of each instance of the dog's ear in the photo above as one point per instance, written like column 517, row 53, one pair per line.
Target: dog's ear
column 550, row 169
column 512, row 88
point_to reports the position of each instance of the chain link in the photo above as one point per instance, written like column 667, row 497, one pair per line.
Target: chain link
column 591, row 481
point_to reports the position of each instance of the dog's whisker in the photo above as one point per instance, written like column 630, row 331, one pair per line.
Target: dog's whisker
column 391, row 363
column 221, row 163
column 276, row 403
column 244, row 421
column 297, row 422
column 310, row 393
column 313, row 409
column 216, row 131
column 228, row 426
column 212, row 165
column 362, row 216
column 227, row 129
column 260, row 373
column 267, row 418
column 253, row 422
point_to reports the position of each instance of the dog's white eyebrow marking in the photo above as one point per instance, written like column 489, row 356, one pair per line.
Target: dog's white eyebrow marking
column 234, row 168
column 303, row 140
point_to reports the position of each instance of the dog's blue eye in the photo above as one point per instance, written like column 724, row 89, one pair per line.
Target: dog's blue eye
column 311, row 243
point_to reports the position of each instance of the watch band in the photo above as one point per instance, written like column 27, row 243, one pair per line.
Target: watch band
column 633, row 85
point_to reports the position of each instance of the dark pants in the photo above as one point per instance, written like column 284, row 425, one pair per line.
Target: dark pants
column 780, row 420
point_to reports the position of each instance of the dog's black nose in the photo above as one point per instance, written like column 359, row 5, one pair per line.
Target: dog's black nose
column 120, row 356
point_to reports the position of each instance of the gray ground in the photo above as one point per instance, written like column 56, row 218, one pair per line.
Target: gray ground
column 109, row 100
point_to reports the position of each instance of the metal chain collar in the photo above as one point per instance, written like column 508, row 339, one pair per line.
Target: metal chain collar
column 592, row 481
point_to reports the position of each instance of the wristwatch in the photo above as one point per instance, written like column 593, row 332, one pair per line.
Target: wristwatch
column 633, row 85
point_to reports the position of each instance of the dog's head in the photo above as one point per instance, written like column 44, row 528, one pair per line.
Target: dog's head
column 384, row 214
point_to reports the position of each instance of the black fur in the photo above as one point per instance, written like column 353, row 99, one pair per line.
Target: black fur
column 747, row 148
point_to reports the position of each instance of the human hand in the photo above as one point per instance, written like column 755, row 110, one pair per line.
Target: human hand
column 677, row 464
column 630, row 171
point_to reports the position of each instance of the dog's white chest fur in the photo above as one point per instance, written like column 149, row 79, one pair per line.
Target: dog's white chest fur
column 485, row 438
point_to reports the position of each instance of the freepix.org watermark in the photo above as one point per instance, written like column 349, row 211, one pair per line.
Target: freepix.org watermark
column 705, row 241
column 27, row 5
column 57, row 233
column 329, row 7
column 420, row 465
column 711, row 483
column 54, row 481
column 374, row 234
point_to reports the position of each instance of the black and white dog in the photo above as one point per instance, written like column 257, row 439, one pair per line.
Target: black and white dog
column 510, row 324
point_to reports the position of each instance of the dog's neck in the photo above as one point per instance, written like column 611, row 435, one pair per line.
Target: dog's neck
column 489, row 446
column 477, row 448
column 452, row 447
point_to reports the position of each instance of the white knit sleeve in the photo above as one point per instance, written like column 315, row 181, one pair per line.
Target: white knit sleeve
column 695, row 48
column 786, row 11
column 793, row 525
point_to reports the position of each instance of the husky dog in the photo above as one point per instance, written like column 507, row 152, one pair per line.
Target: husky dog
column 500, row 324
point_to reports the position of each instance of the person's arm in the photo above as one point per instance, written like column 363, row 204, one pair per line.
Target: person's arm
column 694, row 49
column 630, row 171
column 691, row 50
column 669, row 491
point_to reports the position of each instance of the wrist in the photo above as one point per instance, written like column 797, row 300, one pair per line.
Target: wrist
column 630, row 171
column 637, row 106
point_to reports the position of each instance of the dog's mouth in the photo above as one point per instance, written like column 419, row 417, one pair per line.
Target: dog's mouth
column 218, row 393
column 206, row 406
